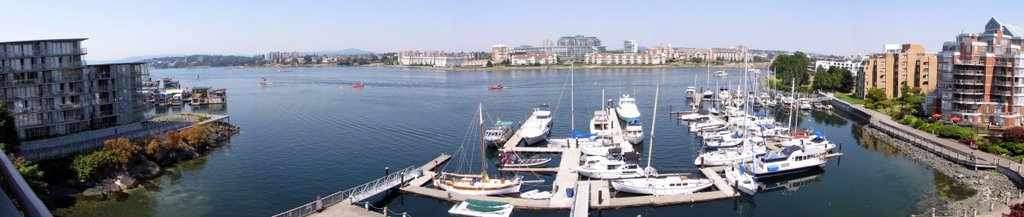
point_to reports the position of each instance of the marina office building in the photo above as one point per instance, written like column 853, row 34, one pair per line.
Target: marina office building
column 982, row 76
column 51, row 91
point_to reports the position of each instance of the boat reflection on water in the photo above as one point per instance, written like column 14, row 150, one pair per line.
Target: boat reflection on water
column 790, row 182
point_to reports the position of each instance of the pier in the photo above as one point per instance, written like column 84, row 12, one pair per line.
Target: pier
column 588, row 194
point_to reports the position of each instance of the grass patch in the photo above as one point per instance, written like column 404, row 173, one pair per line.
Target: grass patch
column 850, row 98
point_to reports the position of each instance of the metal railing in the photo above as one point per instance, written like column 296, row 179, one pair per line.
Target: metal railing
column 30, row 203
column 355, row 194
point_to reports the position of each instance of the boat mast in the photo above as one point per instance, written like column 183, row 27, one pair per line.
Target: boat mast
column 572, row 95
column 654, row 118
column 483, row 159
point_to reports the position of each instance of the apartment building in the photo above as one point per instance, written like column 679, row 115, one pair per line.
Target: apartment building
column 624, row 59
column 51, row 91
column 981, row 78
column 901, row 64
column 531, row 59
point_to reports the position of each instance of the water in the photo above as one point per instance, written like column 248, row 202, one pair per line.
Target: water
column 308, row 133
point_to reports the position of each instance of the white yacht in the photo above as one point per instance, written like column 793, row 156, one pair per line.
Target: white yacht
column 791, row 159
column 627, row 108
column 724, row 95
column 723, row 157
column 538, row 127
column 605, row 148
column 804, row 105
column 817, row 140
column 721, row 74
column 699, row 115
column 634, row 131
column 709, row 95
column 600, row 124
column 603, row 168
column 691, row 91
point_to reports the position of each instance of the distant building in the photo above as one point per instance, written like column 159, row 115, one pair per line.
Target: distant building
column 531, row 59
column 665, row 52
column 630, row 47
column 475, row 63
column 735, row 54
column 51, row 92
column 432, row 58
column 499, row 53
column 569, row 48
column 688, row 54
column 547, row 43
column 981, row 77
column 624, row 59
column 888, row 71
column 852, row 64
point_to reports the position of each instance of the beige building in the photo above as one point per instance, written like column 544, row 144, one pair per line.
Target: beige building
column 899, row 64
column 499, row 53
column 530, row 59
column 623, row 59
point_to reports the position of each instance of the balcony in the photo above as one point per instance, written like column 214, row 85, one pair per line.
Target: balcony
column 969, row 92
column 968, row 82
column 41, row 67
column 13, row 55
column 969, row 72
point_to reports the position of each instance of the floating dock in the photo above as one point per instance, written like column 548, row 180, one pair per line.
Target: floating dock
column 598, row 192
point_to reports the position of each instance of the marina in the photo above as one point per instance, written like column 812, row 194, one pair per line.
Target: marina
column 404, row 141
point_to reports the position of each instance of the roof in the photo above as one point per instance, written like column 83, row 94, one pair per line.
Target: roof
column 122, row 63
column 202, row 88
column 42, row 40
column 1008, row 29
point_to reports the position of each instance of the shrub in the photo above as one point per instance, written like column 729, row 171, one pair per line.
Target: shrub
column 122, row 150
column 86, row 165
column 954, row 132
column 1014, row 147
column 995, row 149
column 908, row 120
column 1014, row 134
column 31, row 172
column 155, row 149
column 966, row 141
column 917, row 124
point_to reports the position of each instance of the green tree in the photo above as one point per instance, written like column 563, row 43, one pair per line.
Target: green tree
column 696, row 60
column 86, row 165
column 489, row 64
column 793, row 66
column 8, row 132
column 30, row 172
column 847, row 83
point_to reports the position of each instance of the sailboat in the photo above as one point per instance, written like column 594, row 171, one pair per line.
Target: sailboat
column 478, row 184
column 653, row 184
column 738, row 177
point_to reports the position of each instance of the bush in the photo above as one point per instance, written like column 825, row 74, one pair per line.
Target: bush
column 954, row 132
column 1014, row 134
column 31, row 172
column 122, row 151
column 1014, row 147
column 966, row 141
column 917, row 124
column 908, row 120
column 995, row 149
column 86, row 165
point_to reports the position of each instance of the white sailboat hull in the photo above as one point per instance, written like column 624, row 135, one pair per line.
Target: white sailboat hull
column 661, row 185
column 481, row 188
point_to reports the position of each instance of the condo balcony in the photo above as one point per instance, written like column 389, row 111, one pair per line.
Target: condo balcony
column 43, row 53
column 968, row 72
column 968, row 82
column 969, row 92
column 41, row 67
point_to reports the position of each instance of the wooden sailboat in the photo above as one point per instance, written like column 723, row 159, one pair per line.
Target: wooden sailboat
column 478, row 184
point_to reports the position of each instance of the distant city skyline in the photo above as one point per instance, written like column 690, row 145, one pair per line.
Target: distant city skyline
column 122, row 29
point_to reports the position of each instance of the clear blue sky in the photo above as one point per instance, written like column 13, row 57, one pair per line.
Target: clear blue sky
column 119, row 29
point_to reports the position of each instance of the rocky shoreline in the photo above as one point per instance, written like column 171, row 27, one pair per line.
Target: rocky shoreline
column 107, row 183
column 992, row 186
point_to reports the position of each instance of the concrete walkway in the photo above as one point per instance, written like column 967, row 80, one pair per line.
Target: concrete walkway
column 947, row 148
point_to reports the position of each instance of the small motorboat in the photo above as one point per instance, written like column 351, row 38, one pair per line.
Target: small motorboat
column 358, row 85
column 721, row 74
column 474, row 207
column 264, row 81
column 536, row 195
column 496, row 87
column 510, row 159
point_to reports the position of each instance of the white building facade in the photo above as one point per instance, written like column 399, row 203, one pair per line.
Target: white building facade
column 624, row 59
column 531, row 59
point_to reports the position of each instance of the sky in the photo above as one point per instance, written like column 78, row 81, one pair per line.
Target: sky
column 122, row 29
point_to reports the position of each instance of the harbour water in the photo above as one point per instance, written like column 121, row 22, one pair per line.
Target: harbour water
column 308, row 133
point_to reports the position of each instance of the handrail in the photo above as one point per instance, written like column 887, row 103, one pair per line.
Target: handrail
column 29, row 201
column 354, row 194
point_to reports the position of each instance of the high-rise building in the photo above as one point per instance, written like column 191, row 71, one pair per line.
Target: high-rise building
column 981, row 79
column 630, row 47
column 499, row 53
column 888, row 71
column 569, row 48
column 50, row 90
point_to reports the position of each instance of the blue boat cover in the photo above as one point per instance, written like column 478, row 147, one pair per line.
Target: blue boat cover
column 578, row 135
column 633, row 119
column 736, row 135
column 819, row 134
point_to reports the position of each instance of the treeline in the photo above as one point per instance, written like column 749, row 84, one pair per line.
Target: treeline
column 203, row 61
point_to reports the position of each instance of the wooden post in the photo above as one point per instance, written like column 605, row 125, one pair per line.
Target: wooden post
column 366, row 205
column 385, row 211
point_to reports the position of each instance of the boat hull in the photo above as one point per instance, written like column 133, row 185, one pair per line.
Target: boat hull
column 647, row 186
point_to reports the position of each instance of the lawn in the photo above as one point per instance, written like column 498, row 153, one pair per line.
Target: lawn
column 849, row 98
